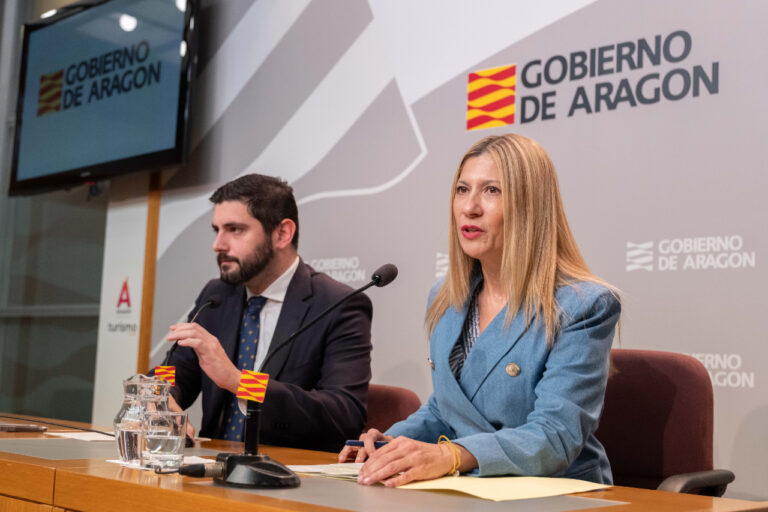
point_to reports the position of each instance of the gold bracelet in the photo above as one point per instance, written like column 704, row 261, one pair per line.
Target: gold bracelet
column 456, row 454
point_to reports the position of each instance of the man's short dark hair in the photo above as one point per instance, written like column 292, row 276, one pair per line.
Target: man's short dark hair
column 269, row 200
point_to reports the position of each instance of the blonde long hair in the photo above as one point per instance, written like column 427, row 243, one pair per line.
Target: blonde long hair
column 539, row 254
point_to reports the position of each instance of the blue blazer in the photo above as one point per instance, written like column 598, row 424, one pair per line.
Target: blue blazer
column 538, row 421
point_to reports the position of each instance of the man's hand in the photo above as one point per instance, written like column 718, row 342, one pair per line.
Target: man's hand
column 213, row 360
column 173, row 406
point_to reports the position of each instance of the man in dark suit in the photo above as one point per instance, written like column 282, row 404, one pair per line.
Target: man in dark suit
column 318, row 385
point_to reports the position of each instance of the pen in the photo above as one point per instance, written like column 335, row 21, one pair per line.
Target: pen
column 359, row 444
column 22, row 427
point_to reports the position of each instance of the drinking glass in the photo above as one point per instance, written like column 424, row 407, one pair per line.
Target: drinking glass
column 162, row 439
column 140, row 394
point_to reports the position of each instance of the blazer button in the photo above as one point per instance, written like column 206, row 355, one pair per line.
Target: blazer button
column 513, row 370
column 431, row 363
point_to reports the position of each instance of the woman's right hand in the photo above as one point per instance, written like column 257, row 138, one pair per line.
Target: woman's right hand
column 360, row 454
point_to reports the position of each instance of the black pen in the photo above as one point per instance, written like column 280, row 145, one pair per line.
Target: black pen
column 22, row 427
column 359, row 444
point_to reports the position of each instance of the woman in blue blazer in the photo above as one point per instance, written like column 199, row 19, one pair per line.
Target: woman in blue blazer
column 520, row 336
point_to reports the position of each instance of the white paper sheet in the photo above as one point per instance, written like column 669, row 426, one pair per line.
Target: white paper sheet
column 507, row 487
column 83, row 436
column 346, row 470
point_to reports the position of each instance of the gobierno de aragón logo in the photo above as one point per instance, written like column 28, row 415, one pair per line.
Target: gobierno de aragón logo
column 612, row 61
column 696, row 253
column 114, row 72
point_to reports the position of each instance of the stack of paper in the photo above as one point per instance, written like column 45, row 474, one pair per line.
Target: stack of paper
column 490, row 488
column 343, row 471
column 502, row 488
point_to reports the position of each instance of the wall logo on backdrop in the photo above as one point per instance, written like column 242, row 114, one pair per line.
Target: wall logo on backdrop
column 344, row 269
column 491, row 100
column 115, row 72
column 726, row 370
column 441, row 265
column 124, row 300
column 700, row 253
column 491, row 97
column 640, row 256
column 123, row 308
column 49, row 96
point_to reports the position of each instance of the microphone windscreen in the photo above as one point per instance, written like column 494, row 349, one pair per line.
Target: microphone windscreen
column 384, row 275
column 214, row 301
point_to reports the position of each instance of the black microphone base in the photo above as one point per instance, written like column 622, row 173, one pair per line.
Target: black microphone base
column 254, row 471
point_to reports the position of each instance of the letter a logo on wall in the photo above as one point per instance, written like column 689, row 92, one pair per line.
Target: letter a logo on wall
column 125, row 297
column 491, row 98
column 49, row 97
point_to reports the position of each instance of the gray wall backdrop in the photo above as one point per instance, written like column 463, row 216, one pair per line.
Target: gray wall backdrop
column 361, row 106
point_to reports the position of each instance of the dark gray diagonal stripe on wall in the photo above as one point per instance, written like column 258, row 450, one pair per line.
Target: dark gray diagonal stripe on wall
column 217, row 19
column 364, row 156
column 315, row 42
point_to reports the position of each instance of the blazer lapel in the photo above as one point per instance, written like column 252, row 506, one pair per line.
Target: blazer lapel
column 295, row 307
column 230, row 326
column 453, row 400
column 448, row 328
column 494, row 342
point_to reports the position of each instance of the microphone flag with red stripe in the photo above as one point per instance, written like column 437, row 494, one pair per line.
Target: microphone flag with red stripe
column 167, row 373
column 252, row 385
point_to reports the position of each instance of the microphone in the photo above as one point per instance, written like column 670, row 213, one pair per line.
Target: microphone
column 252, row 469
column 213, row 302
column 382, row 276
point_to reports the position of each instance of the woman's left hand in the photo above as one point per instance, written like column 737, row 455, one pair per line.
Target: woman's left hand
column 403, row 460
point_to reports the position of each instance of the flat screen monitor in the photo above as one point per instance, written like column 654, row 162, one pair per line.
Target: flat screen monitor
column 103, row 90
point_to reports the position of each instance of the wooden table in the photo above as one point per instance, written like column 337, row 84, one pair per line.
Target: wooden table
column 36, row 484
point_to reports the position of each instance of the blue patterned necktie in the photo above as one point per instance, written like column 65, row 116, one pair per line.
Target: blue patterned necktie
column 249, row 339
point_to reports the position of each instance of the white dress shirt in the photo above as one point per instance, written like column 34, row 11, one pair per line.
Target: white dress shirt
column 275, row 295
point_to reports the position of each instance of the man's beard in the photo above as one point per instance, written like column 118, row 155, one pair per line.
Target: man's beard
column 249, row 267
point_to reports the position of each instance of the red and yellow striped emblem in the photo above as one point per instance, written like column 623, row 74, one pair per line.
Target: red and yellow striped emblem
column 491, row 97
column 167, row 373
column 252, row 386
column 49, row 97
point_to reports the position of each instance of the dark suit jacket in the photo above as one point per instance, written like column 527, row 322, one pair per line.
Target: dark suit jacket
column 318, row 385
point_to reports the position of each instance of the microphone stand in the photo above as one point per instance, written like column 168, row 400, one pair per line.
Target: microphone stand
column 254, row 469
